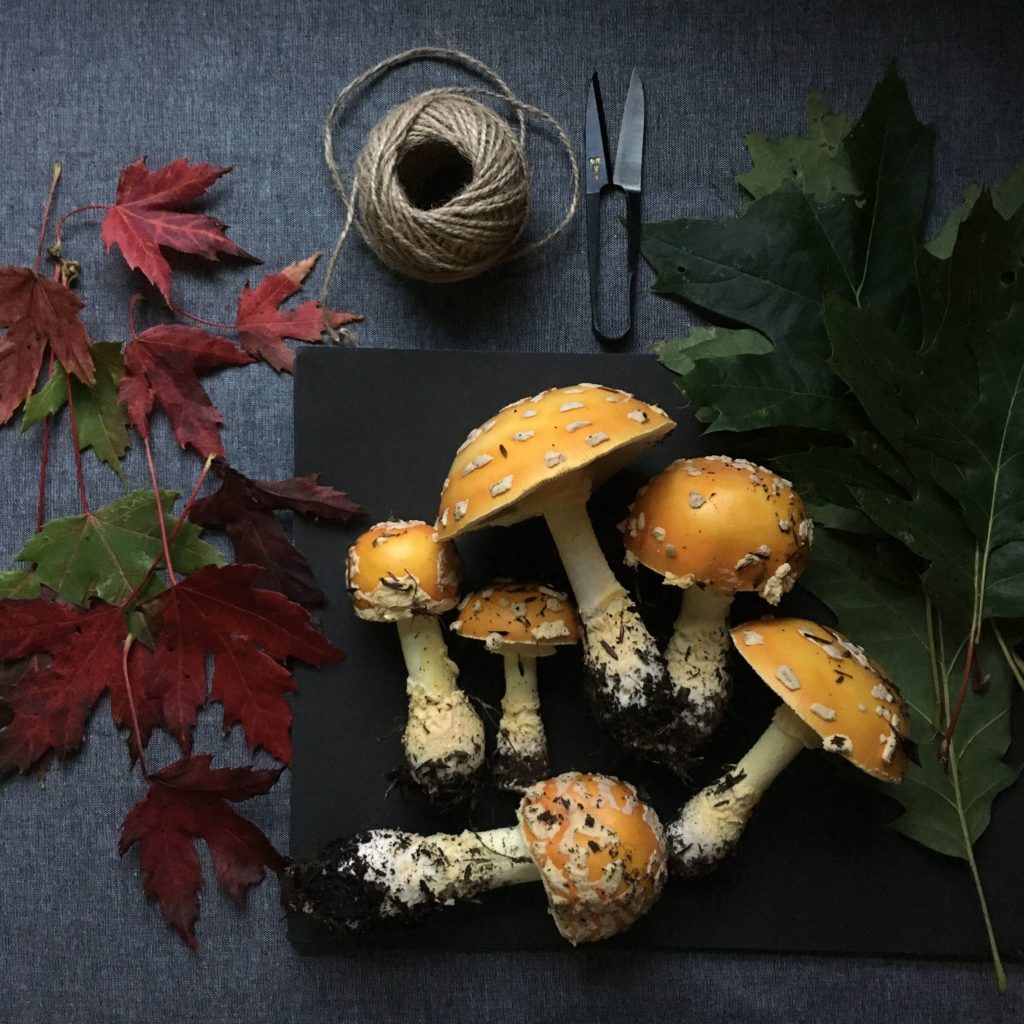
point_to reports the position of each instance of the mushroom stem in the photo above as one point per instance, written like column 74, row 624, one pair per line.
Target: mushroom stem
column 386, row 874
column 697, row 656
column 712, row 822
column 592, row 581
column 444, row 736
column 521, row 753
column 628, row 684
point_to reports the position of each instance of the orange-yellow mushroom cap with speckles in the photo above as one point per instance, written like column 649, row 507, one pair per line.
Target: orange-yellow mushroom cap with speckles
column 563, row 433
column 720, row 521
column 399, row 569
column 510, row 614
column 834, row 688
column 600, row 850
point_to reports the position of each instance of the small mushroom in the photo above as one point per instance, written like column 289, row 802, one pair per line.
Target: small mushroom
column 522, row 622
column 598, row 850
column 398, row 572
column 834, row 697
column 542, row 456
column 715, row 526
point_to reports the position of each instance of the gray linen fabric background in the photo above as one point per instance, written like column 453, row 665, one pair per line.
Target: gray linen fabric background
column 98, row 84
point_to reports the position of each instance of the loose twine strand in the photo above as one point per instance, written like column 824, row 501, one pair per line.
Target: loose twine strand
column 479, row 226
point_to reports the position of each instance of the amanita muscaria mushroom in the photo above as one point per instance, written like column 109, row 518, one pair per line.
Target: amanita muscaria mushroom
column 598, row 850
column 542, row 456
column 522, row 622
column 834, row 697
column 398, row 572
column 715, row 526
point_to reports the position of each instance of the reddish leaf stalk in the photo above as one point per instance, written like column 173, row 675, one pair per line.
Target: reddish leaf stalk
column 965, row 685
column 136, row 731
column 46, row 217
column 173, row 534
column 74, row 213
column 199, row 320
column 159, row 512
column 78, row 455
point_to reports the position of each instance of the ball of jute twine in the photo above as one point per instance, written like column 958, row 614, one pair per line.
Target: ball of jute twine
column 475, row 228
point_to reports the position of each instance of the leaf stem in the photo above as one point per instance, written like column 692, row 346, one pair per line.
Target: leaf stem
column 929, row 617
column 199, row 320
column 74, row 213
column 997, row 963
column 44, row 458
column 1013, row 660
column 973, row 639
column 77, row 453
column 136, row 731
column 159, row 512
column 54, row 178
column 173, row 534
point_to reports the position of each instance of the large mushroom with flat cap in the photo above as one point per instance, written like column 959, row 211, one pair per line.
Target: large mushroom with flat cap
column 398, row 572
column 834, row 697
column 521, row 622
column 542, row 456
column 715, row 527
column 598, row 850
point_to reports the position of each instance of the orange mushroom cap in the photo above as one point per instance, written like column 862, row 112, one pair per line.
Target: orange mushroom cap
column 600, row 850
column 398, row 569
column 834, row 688
column 720, row 521
column 550, row 439
column 510, row 614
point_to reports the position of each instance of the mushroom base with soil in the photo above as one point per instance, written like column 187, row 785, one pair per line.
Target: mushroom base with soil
column 444, row 735
column 697, row 657
column 521, row 751
column 710, row 825
column 627, row 682
column 598, row 850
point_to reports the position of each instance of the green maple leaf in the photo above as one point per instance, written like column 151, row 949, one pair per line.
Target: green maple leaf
column 19, row 583
column 101, row 418
column 955, row 406
column 816, row 163
column 768, row 269
column 109, row 551
column 1007, row 198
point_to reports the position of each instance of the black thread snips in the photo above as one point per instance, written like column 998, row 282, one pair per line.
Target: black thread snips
column 623, row 175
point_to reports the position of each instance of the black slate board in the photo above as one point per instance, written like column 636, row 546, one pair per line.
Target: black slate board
column 817, row 870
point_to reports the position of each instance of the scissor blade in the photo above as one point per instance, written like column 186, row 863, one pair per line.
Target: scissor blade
column 596, row 141
column 630, row 154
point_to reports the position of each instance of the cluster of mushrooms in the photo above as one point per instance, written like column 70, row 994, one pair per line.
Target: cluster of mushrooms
column 713, row 527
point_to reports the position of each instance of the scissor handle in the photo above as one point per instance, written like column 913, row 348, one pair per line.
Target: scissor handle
column 593, row 204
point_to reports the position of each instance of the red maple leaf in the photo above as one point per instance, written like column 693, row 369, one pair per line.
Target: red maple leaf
column 75, row 657
column 250, row 633
column 185, row 801
column 245, row 508
column 146, row 216
column 262, row 326
column 161, row 366
column 37, row 313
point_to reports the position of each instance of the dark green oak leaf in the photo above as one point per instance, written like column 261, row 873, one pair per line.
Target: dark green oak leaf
column 955, row 408
column 816, row 162
column 109, row 551
column 888, row 614
column 101, row 418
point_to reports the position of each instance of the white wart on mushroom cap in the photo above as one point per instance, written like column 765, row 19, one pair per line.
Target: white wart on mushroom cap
column 721, row 522
column 506, row 468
